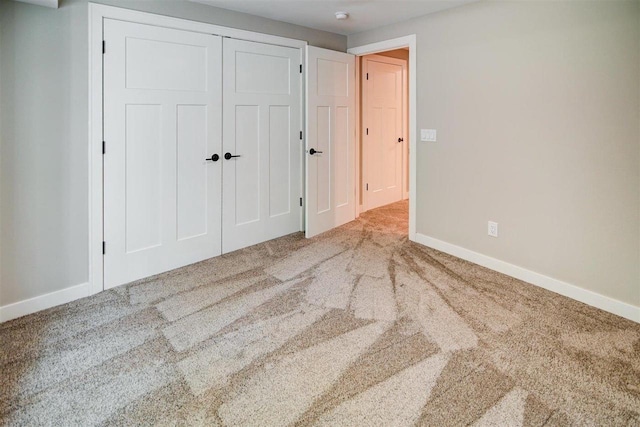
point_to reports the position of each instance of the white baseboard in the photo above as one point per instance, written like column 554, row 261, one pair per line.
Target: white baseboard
column 42, row 302
column 577, row 293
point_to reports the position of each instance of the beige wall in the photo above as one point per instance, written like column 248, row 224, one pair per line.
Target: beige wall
column 537, row 107
column 43, row 134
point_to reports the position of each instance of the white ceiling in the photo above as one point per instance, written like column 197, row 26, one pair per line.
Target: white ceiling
column 320, row 14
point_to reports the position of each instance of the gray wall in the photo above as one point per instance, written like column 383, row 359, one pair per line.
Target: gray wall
column 537, row 107
column 43, row 134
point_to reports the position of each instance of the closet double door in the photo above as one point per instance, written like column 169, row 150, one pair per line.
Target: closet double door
column 202, row 152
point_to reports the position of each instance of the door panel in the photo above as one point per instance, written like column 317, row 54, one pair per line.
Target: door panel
column 162, row 118
column 279, row 165
column 262, row 115
column 191, row 148
column 162, row 65
column 322, row 163
column 143, row 188
column 383, row 118
column 245, row 185
column 343, row 158
column 333, row 77
column 330, row 183
column 257, row 73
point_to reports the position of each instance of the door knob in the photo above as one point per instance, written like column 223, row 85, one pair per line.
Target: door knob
column 213, row 158
column 314, row 151
column 400, row 139
column 229, row 156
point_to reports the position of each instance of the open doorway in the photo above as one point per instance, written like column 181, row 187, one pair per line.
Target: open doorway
column 386, row 125
column 384, row 141
column 334, row 132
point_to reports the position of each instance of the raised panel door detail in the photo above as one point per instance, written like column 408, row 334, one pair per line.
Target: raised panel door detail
column 258, row 73
column 143, row 200
column 323, row 161
column 332, row 78
column 391, row 149
column 342, row 157
column 384, row 85
column 191, row 168
column 376, row 150
column 247, row 167
column 279, row 160
column 156, row 64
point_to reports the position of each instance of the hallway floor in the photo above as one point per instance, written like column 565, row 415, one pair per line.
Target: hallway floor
column 355, row 327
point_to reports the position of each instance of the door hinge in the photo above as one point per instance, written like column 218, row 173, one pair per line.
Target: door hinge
column 104, row 47
column 104, row 247
column 300, row 68
column 300, row 135
column 367, row 187
column 367, row 76
column 104, row 147
column 300, row 201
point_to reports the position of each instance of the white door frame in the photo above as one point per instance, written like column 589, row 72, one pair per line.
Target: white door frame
column 97, row 14
column 401, row 42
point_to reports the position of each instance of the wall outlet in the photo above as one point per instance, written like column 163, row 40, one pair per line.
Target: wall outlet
column 493, row 229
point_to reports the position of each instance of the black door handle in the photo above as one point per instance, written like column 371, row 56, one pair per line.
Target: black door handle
column 314, row 151
column 213, row 158
column 400, row 139
column 229, row 155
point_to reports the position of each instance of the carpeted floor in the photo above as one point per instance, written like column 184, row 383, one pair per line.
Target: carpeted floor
column 357, row 327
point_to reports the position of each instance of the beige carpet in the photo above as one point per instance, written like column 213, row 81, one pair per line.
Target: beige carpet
column 357, row 327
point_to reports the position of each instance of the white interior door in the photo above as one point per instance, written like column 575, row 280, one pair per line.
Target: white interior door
column 330, row 154
column 383, row 136
column 162, row 119
column 262, row 124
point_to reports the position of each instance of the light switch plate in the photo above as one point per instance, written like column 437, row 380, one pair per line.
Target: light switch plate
column 428, row 135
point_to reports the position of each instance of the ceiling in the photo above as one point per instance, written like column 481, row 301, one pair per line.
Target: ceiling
column 320, row 14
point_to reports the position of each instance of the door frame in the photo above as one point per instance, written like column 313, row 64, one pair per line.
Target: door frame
column 96, row 15
column 391, row 44
column 364, row 175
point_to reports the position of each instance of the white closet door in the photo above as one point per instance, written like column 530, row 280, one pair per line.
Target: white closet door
column 262, row 116
column 162, row 118
column 330, row 159
column 383, row 140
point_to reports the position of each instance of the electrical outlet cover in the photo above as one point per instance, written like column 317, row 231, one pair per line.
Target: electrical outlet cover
column 493, row 229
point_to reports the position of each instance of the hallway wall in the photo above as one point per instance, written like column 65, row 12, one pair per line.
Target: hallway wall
column 537, row 109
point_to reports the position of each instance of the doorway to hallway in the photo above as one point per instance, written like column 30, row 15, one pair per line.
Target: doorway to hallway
column 384, row 128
